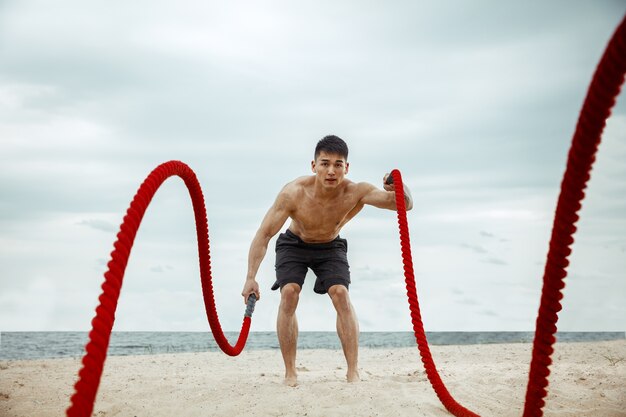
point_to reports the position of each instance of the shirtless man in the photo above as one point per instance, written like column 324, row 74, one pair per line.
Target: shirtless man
column 319, row 206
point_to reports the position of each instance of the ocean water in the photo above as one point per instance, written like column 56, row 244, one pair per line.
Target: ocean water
column 40, row 345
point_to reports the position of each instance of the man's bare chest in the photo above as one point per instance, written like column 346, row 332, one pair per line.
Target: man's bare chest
column 323, row 212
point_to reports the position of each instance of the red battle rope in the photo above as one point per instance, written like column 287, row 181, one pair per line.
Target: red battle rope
column 601, row 96
column 416, row 317
column 93, row 361
column 600, row 99
column 603, row 91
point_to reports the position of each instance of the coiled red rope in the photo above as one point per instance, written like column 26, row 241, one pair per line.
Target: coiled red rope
column 603, row 91
column 96, row 350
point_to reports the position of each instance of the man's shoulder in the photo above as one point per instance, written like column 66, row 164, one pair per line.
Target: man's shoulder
column 293, row 188
column 298, row 184
column 362, row 187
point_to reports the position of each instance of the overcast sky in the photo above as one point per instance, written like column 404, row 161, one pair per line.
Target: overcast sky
column 475, row 102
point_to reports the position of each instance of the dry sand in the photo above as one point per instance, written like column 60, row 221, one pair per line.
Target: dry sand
column 588, row 379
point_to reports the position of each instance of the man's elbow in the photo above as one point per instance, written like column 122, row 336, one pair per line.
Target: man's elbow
column 408, row 203
column 407, row 206
column 263, row 236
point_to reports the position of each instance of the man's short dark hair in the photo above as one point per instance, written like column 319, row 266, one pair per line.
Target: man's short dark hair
column 332, row 144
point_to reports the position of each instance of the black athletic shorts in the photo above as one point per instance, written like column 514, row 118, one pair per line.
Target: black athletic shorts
column 329, row 262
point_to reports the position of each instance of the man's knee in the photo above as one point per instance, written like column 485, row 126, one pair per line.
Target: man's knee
column 338, row 290
column 340, row 296
column 289, row 296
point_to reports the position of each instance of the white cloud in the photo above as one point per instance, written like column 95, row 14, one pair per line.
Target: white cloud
column 98, row 224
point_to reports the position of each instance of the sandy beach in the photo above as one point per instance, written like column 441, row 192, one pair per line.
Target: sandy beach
column 588, row 379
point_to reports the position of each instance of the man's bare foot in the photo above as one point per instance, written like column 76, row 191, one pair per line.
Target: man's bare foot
column 291, row 380
column 353, row 376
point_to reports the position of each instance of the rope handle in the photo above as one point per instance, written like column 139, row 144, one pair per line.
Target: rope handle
column 250, row 305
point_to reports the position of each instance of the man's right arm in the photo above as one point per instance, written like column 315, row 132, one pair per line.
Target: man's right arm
column 272, row 222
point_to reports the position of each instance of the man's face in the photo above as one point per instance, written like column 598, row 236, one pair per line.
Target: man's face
column 330, row 169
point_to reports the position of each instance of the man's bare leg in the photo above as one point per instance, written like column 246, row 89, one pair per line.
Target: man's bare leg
column 287, row 329
column 347, row 329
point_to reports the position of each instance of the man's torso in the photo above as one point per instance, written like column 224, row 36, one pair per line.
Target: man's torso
column 316, row 219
